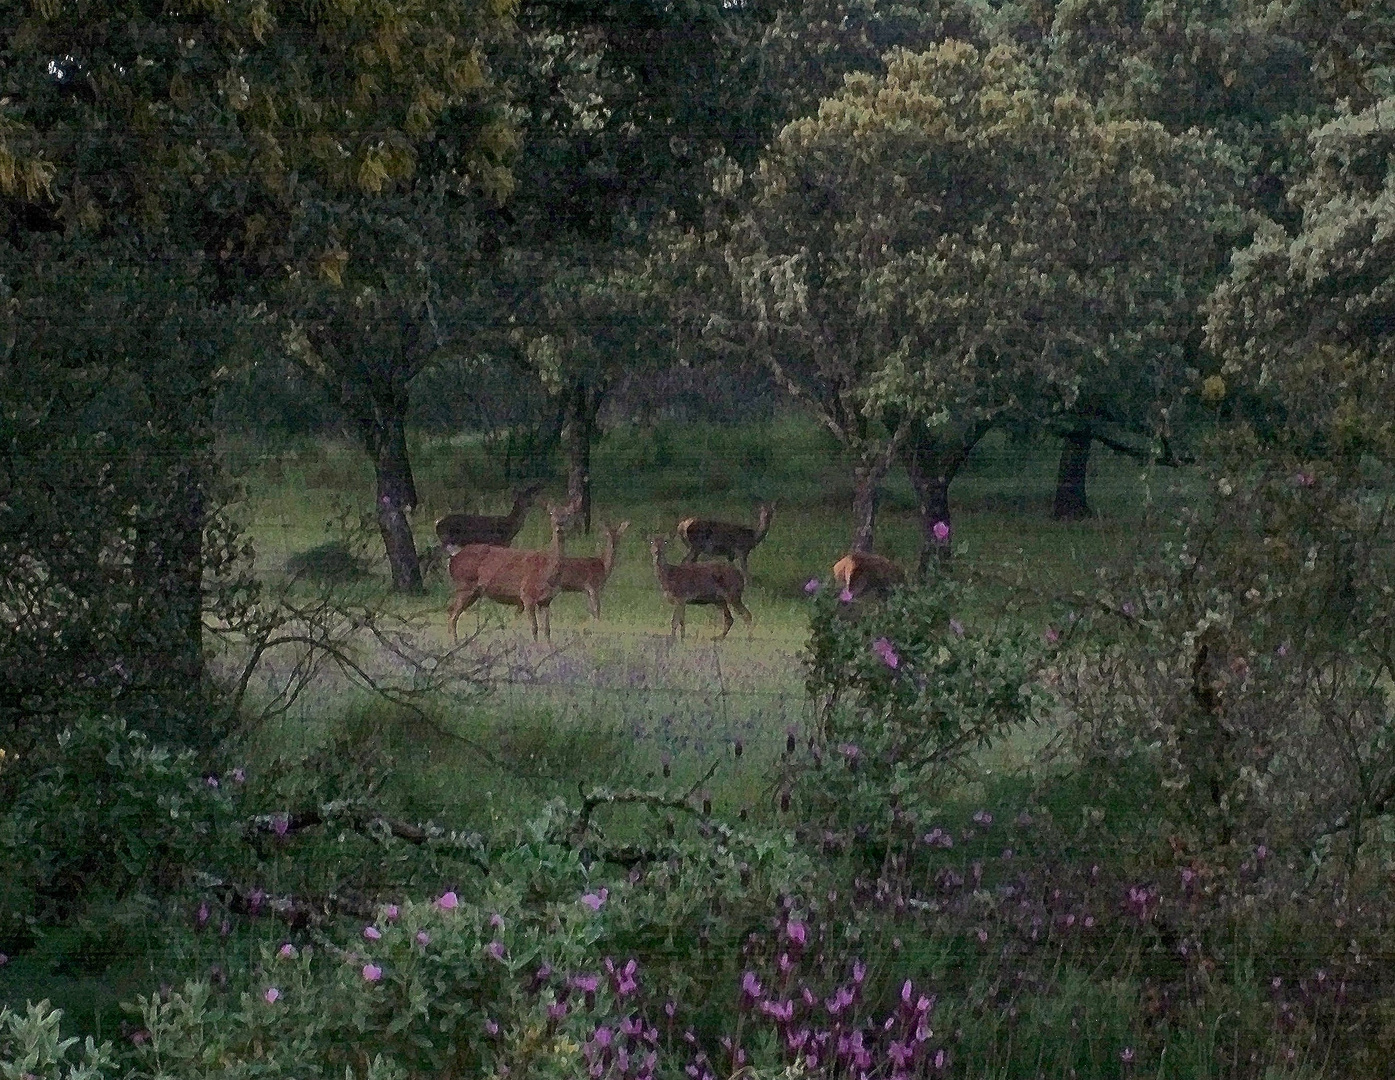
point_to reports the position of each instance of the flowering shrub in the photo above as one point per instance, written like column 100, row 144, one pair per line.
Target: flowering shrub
column 31, row 1048
column 905, row 694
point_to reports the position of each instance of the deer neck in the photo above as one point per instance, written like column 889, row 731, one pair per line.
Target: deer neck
column 517, row 512
column 608, row 555
column 763, row 523
column 558, row 547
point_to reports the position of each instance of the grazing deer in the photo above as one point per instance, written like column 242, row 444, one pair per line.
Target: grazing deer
column 589, row 575
column 734, row 542
column 523, row 579
column 699, row 583
column 456, row 531
column 860, row 572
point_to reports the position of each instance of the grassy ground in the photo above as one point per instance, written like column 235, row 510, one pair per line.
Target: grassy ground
column 617, row 702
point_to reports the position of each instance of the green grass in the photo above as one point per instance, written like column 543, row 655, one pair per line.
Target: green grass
column 611, row 702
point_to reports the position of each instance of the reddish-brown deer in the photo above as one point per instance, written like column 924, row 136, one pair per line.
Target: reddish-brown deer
column 523, row 579
column 860, row 572
column 733, row 542
column 456, row 531
column 699, row 583
column 589, row 575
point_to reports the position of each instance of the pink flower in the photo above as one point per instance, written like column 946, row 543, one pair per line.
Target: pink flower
column 1304, row 479
column 1126, row 1055
column 372, row 973
column 423, row 938
column 391, row 912
column 286, row 951
column 886, row 651
column 491, row 1027
column 271, row 995
column 496, row 921
column 750, row 985
column 239, row 775
column 846, row 596
column 596, row 899
column 941, row 531
column 796, row 931
column 211, row 781
column 372, row 933
column 982, row 935
column 448, row 902
column 811, row 586
column 859, row 972
column 1052, row 635
column 280, row 823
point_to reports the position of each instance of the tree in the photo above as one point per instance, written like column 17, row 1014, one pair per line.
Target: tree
column 954, row 244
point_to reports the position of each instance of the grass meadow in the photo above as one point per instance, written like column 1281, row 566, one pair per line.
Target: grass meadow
column 618, row 701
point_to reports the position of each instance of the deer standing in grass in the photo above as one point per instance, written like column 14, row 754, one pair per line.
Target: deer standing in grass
column 456, row 531
column 523, row 579
column 860, row 572
column 589, row 575
column 699, row 583
column 734, row 542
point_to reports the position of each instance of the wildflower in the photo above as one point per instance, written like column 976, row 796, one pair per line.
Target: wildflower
column 423, row 938
column 859, row 972
column 271, row 995
column 849, row 751
column 1261, row 853
column 1129, row 609
column 557, row 1010
column 983, row 817
column 596, row 899
column 491, row 1027
column 3, row 959
column 782, row 1012
column 982, row 935
column 211, row 781
column 239, row 775
column 280, row 824
column 900, row 1054
column 1304, row 479
column 846, row 596
column 811, row 586
column 797, row 932
column 496, row 921
column 495, row 949
column 957, row 627
column 202, row 917
column 939, row 1059
column 448, row 902
column 941, row 531
column 1126, row 1055
column 224, row 928
column 391, row 913
column 1052, row 635
column 372, row 973
column 887, row 652
column 372, row 933
column 750, row 985
column 1282, row 651
column 286, row 951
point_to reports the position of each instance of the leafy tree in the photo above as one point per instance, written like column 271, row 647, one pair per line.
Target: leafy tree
column 953, row 244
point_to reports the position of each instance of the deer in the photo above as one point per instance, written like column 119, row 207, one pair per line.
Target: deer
column 699, row 583
column 524, row 579
column 589, row 575
column 456, row 531
column 860, row 572
column 735, row 542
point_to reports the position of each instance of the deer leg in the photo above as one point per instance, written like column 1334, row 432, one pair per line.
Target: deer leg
column 547, row 621
column 742, row 610
column 593, row 597
column 463, row 600
column 677, row 623
column 726, row 622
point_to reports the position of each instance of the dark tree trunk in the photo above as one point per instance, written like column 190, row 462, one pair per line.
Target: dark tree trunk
column 385, row 439
column 167, row 571
column 866, row 480
column 1070, row 504
column 578, row 434
column 932, row 462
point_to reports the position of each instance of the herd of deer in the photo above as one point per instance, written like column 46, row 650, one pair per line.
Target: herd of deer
column 482, row 564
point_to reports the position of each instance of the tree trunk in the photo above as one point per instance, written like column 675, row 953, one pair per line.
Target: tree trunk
column 1070, row 504
column 864, row 505
column 385, row 438
column 932, row 462
column 578, row 433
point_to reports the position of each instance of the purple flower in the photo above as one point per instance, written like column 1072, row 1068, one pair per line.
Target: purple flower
column 271, row 995
column 372, row 973
column 596, row 899
column 239, row 775
column 1282, row 651
column 750, row 985
column 859, row 971
column 886, row 651
column 587, row 984
column 3, row 959
column 797, row 932
column 1052, row 635
column 496, row 921
column 202, row 917
column 557, row 1010
column 811, row 586
column 391, row 912
column 495, row 949
column 211, row 781
column 1304, row 479
column 849, row 751
column 286, row 951
column 1126, row 1055
column 1129, row 609
column 448, row 902
column 941, row 531
column 423, row 938
column 900, row 1054
column 491, row 1027
column 957, row 627
column 846, row 596
column 983, row 817
column 372, row 933
column 982, row 935
column 280, row 823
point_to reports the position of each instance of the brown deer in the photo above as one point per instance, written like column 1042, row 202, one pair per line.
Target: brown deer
column 699, row 583
column 860, row 572
column 589, row 575
column 523, row 579
column 734, row 542
column 456, row 531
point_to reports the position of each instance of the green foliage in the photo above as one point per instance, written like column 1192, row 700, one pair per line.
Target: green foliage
column 31, row 1048
column 907, row 694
